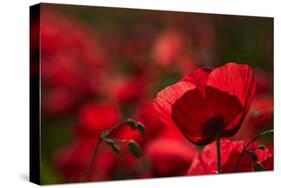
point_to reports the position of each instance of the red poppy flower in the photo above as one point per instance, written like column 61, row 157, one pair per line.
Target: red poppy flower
column 169, row 157
column 61, row 96
column 72, row 60
column 149, row 118
column 128, row 165
column 131, row 91
column 95, row 118
column 72, row 161
column 205, row 162
column 208, row 102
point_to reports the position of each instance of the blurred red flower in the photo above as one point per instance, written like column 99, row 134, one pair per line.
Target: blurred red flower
column 71, row 59
column 131, row 91
column 147, row 116
column 208, row 102
column 128, row 166
column 205, row 162
column 95, row 118
column 168, row 47
column 261, row 111
column 58, row 101
column 72, row 161
column 260, row 117
column 169, row 157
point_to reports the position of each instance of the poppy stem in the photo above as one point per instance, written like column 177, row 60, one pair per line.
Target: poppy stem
column 104, row 138
column 248, row 144
column 218, row 154
column 103, row 135
column 88, row 171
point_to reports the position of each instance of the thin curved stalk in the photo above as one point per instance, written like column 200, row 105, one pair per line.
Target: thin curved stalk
column 88, row 171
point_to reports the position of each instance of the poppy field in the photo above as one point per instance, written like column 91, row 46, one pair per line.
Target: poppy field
column 137, row 94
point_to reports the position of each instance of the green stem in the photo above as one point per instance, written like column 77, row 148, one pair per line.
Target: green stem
column 248, row 144
column 88, row 171
column 218, row 154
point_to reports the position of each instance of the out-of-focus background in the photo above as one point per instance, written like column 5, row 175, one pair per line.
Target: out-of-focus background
column 101, row 65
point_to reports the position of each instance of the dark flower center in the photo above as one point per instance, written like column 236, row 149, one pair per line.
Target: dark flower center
column 213, row 126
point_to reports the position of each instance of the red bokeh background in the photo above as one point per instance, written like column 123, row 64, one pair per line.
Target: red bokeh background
column 101, row 65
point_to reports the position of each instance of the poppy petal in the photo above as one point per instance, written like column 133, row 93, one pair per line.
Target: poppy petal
column 199, row 78
column 166, row 99
column 200, row 118
column 222, row 105
column 236, row 80
column 205, row 162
